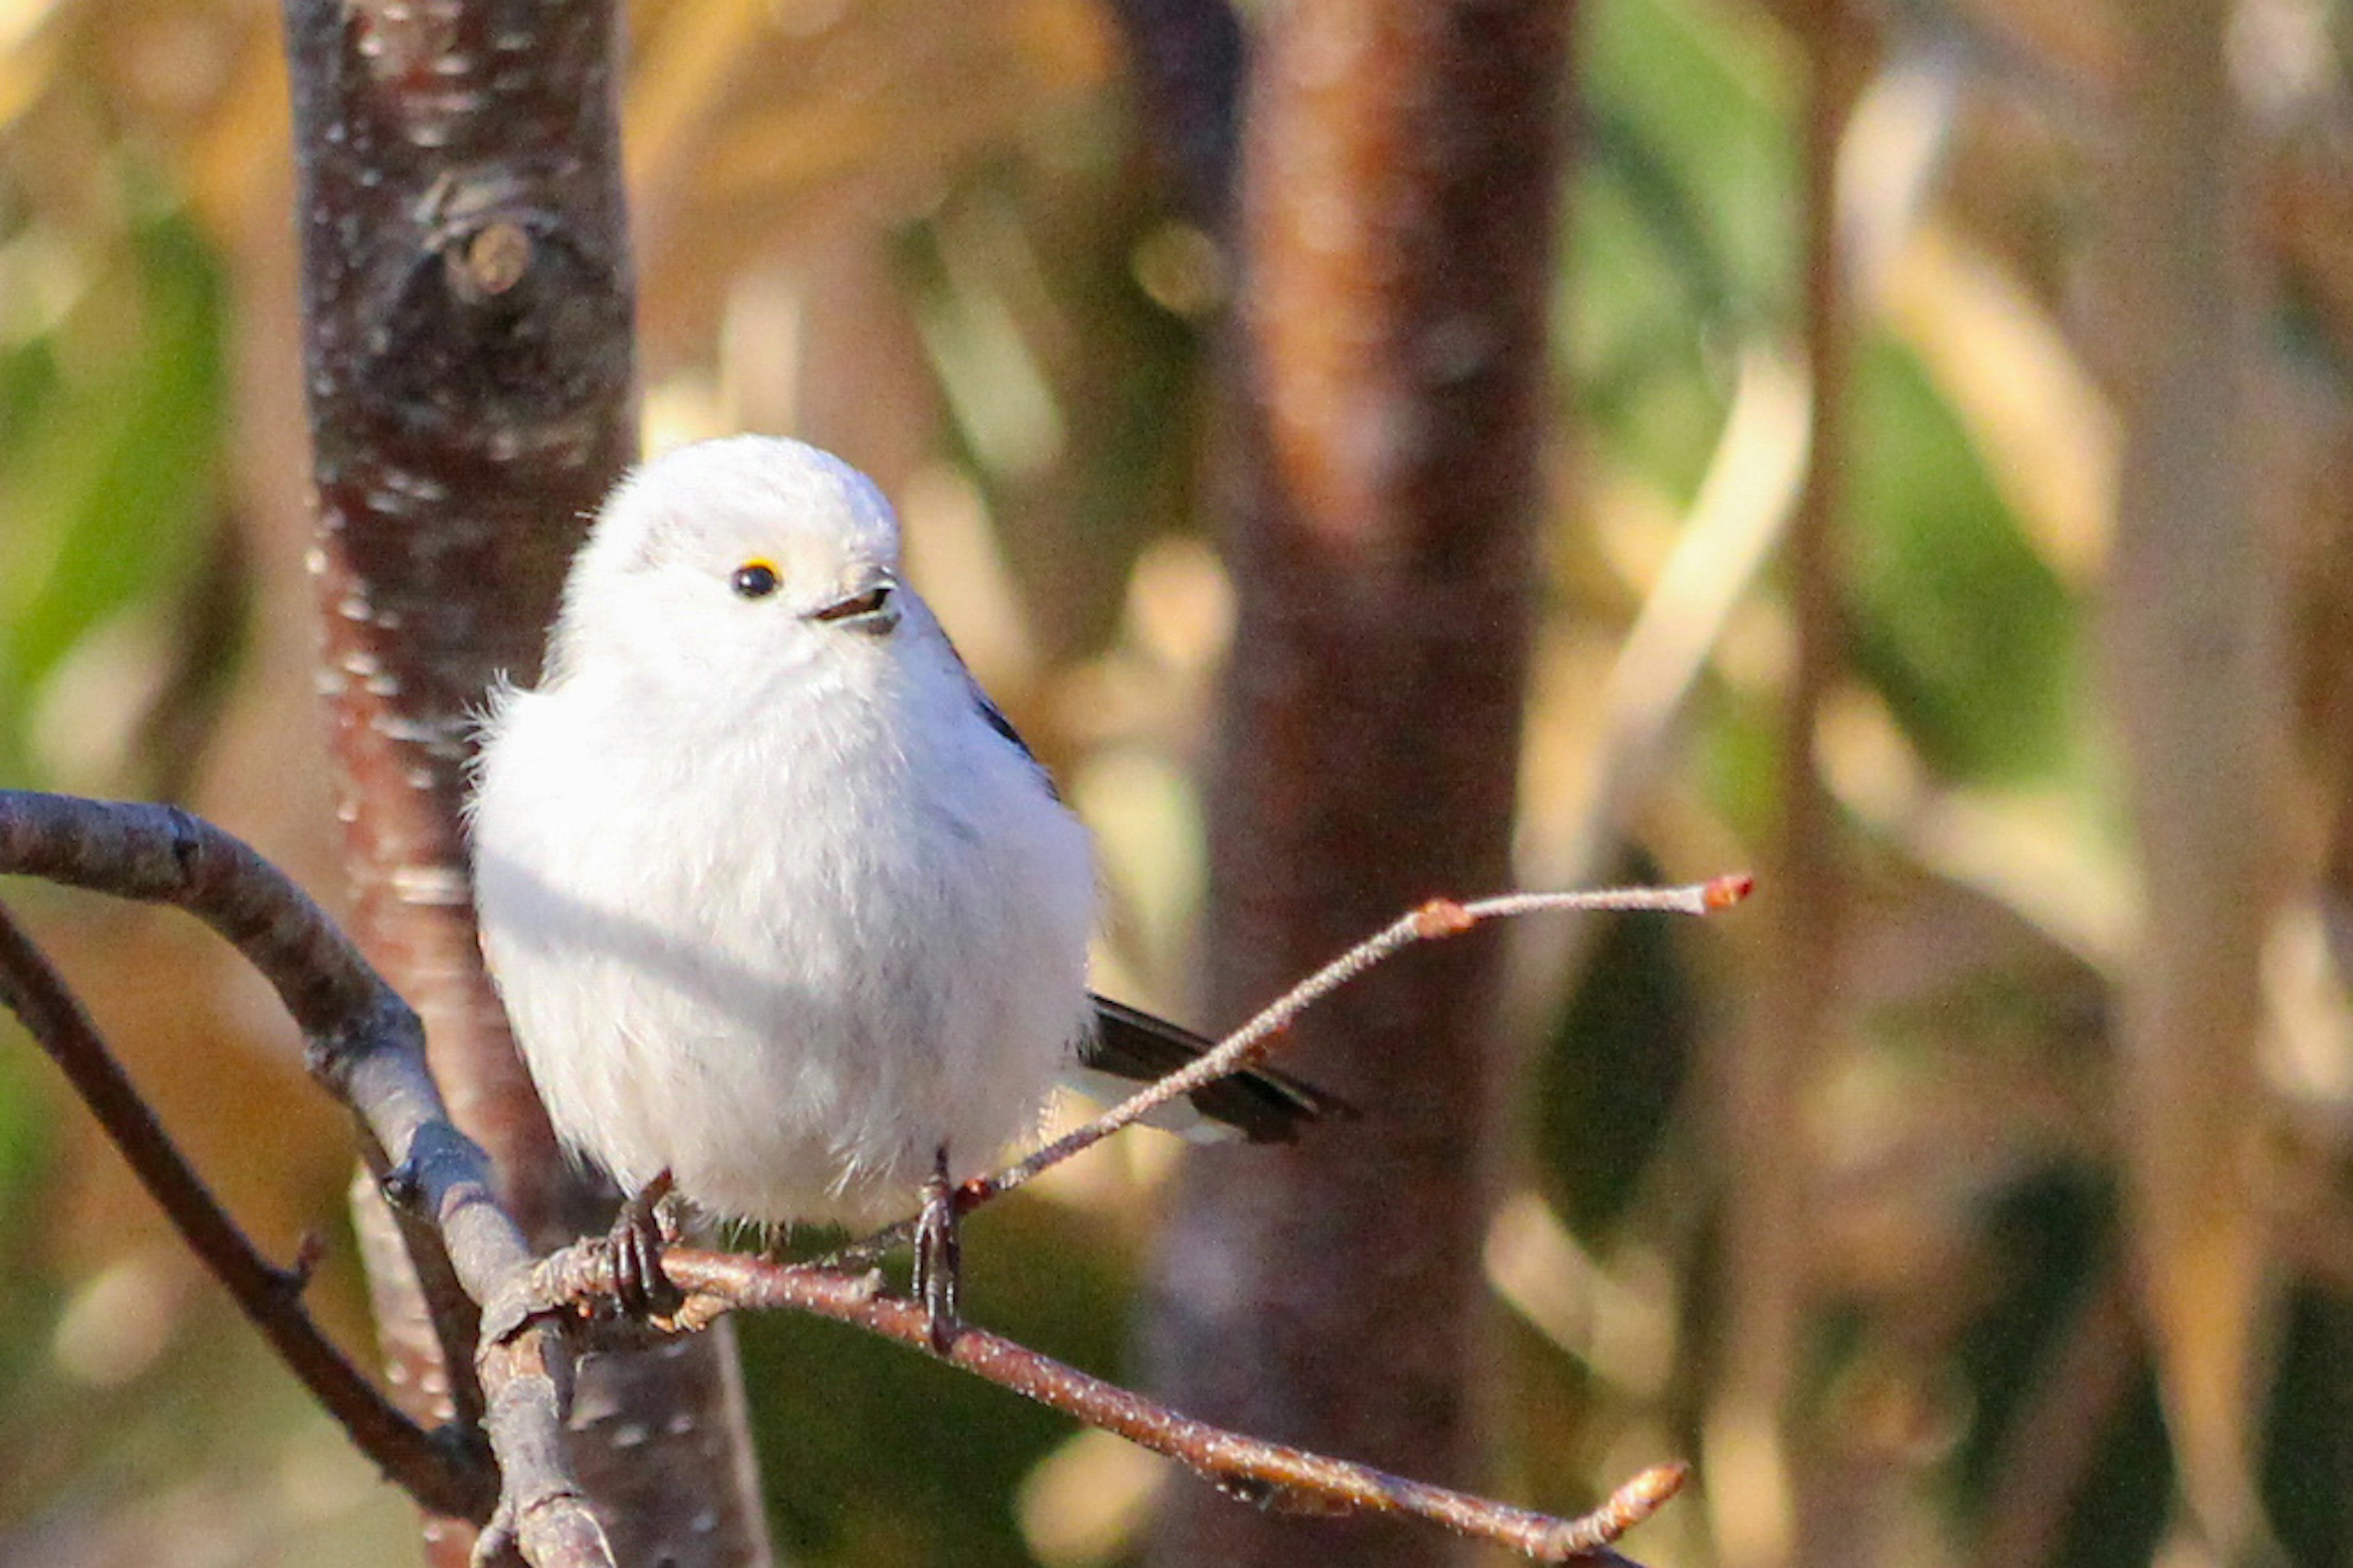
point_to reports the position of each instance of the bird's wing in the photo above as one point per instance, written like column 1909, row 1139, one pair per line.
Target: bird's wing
column 994, row 716
column 1263, row 1104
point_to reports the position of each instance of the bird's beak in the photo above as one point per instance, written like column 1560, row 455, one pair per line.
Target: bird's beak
column 871, row 605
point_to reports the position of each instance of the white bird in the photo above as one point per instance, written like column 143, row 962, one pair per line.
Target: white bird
column 782, row 910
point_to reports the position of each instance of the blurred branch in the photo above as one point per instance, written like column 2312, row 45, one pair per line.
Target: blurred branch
column 1400, row 209
column 1270, row 1475
column 2047, row 1457
column 365, row 1043
column 1188, row 58
column 2196, row 676
column 1754, row 1502
column 208, row 616
column 433, row 1472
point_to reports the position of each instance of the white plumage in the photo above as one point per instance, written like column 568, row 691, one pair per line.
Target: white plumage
column 774, row 900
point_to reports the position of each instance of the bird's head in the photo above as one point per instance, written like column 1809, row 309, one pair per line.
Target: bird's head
column 734, row 560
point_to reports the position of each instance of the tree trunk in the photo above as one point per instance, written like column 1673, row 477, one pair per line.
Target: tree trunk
column 1401, row 164
column 467, row 319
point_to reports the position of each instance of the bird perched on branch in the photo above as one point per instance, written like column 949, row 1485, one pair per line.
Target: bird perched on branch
column 782, row 910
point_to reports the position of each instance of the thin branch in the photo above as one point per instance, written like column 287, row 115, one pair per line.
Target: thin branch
column 429, row 1469
column 366, row 1046
column 1272, row 1474
column 1254, row 1041
column 159, row 854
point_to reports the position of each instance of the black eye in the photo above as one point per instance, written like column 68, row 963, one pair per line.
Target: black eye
column 755, row 580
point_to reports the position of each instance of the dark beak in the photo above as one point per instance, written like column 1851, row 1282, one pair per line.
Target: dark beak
column 872, row 609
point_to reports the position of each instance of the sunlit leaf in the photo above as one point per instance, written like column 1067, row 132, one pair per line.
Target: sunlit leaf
column 111, row 476
column 1958, row 621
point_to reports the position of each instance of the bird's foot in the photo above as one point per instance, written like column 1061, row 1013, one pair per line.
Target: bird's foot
column 639, row 1233
column 939, row 1258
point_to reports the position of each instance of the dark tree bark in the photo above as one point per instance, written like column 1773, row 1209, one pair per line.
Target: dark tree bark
column 1186, row 59
column 1403, row 161
column 467, row 312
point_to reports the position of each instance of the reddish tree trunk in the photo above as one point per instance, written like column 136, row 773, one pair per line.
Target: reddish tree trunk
column 1401, row 164
column 467, row 316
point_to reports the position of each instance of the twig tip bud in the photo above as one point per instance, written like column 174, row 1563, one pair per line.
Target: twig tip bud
column 1725, row 891
column 1442, row 917
column 1653, row 1488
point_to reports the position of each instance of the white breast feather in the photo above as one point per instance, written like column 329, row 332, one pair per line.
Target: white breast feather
column 789, row 964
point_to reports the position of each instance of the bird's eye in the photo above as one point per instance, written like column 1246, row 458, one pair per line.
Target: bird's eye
column 755, row 580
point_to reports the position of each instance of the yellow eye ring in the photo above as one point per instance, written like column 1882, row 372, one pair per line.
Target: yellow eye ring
column 755, row 580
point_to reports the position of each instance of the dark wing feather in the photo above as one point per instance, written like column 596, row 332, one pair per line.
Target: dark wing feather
column 994, row 716
column 1266, row 1105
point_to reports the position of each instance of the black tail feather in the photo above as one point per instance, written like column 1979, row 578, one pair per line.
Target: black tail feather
column 1266, row 1105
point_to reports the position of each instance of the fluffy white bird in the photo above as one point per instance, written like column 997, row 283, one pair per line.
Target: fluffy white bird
column 780, row 906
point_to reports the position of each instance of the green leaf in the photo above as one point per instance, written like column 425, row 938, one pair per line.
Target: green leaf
column 1960, row 624
column 107, row 482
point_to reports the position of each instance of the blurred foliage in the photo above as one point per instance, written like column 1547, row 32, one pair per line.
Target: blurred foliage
column 2310, row 1446
column 931, row 235
column 1682, row 230
column 878, row 1457
column 1942, row 561
column 1607, row 1084
column 1070, row 392
column 116, row 412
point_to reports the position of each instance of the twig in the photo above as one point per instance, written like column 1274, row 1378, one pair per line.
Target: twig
column 1270, row 1474
column 1250, row 1043
column 366, row 1046
column 270, row 1297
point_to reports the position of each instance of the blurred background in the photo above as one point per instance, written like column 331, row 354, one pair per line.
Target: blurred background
column 932, row 236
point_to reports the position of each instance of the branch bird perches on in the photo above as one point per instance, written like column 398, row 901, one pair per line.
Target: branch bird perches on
column 529, row 1317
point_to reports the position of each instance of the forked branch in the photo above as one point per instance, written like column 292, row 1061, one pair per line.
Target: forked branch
column 431, row 1469
column 366, row 1046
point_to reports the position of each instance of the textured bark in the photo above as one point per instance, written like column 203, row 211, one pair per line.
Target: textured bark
column 1401, row 166
column 467, row 315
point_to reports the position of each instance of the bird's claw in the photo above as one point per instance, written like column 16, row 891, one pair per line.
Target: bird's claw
column 640, row 1285
column 939, row 1258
